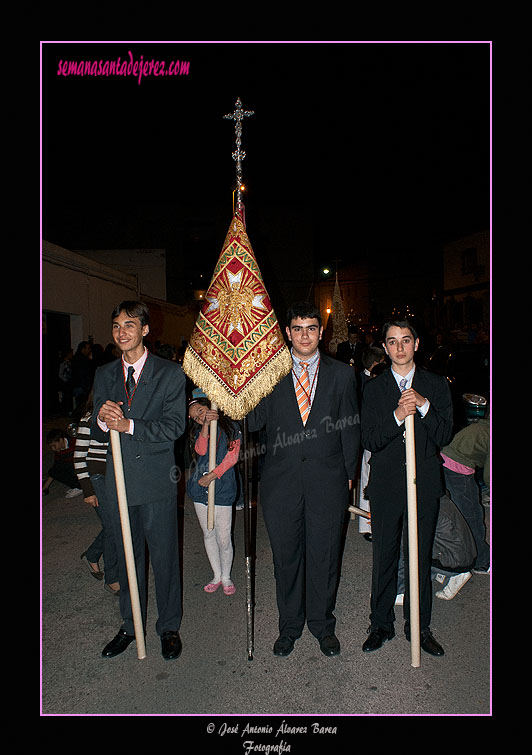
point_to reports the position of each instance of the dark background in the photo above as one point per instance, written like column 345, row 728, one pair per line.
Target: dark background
column 356, row 151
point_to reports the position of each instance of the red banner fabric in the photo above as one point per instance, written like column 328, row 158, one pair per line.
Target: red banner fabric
column 237, row 353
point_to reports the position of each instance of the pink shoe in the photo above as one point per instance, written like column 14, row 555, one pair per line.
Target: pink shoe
column 229, row 589
column 212, row 586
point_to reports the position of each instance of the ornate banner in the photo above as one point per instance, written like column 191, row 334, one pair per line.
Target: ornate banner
column 236, row 352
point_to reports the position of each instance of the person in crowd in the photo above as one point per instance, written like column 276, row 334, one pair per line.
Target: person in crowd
column 97, row 358
column 467, row 453
column 453, row 554
column 110, row 353
column 63, row 467
column 403, row 391
column 378, row 366
column 82, row 375
column 350, row 351
column 65, row 381
column 371, row 356
column 312, row 437
column 217, row 541
column 142, row 397
column 90, row 458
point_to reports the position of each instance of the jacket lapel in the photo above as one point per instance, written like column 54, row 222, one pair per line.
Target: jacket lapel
column 144, row 389
column 289, row 393
column 391, row 391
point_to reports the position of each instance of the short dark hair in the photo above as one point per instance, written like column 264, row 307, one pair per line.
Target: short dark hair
column 81, row 346
column 372, row 354
column 378, row 369
column 133, row 309
column 304, row 310
column 398, row 324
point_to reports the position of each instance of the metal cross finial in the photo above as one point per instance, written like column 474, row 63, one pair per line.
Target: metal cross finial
column 238, row 155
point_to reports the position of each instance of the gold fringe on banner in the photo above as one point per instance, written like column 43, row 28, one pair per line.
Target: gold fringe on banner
column 237, row 353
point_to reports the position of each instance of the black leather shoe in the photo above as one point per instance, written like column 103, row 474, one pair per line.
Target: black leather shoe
column 330, row 645
column 428, row 643
column 117, row 645
column 283, row 645
column 171, row 645
column 377, row 638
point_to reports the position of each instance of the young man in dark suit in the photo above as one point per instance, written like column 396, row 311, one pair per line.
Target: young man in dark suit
column 149, row 412
column 388, row 399
column 313, row 434
column 351, row 351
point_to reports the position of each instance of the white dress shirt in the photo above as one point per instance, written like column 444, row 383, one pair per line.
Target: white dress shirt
column 409, row 377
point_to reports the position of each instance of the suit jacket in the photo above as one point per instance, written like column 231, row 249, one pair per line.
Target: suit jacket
column 316, row 459
column 345, row 353
column 158, row 409
column 384, row 437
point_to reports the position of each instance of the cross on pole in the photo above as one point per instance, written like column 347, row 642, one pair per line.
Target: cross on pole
column 238, row 155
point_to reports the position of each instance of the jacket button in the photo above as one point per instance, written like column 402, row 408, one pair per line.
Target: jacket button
column 303, row 458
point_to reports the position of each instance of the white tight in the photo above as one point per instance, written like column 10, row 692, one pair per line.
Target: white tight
column 218, row 544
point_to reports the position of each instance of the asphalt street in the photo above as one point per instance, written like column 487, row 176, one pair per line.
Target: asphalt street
column 214, row 682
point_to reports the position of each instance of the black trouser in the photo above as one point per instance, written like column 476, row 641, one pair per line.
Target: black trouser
column 388, row 525
column 305, row 536
column 156, row 525
column 63, row 471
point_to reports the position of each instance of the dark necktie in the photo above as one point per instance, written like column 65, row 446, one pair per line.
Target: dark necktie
column 402, row 387
column 130, row 381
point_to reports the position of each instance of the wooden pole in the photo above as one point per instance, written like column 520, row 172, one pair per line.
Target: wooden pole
column 213, row 432
column 247, row 545
column 360, row 512
column 128, row 544
column 413, row 559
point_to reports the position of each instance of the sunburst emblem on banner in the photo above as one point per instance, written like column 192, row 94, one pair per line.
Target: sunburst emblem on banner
column 236, row 352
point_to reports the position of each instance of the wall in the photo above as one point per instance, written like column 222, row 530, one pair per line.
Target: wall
column 88, row 291
column 84, row 289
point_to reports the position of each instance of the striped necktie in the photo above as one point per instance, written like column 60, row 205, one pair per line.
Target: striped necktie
column 130, row 381
column 303, row 392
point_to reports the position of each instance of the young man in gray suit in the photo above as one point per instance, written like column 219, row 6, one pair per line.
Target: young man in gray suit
column 143, row 397
column 313, row 434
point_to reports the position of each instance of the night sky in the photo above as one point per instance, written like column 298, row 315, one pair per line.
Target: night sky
column 375, row 148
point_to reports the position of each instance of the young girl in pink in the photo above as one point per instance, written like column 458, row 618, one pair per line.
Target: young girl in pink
column 218, row 542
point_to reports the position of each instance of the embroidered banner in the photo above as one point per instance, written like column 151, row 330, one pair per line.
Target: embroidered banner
column 236, row 352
